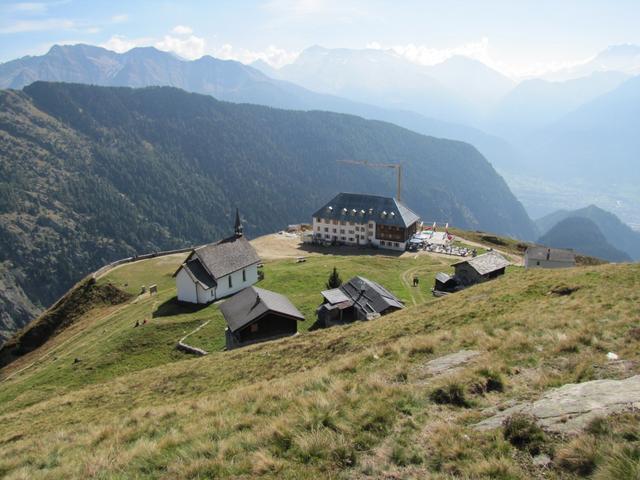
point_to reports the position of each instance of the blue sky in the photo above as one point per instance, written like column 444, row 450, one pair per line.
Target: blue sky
column 514, row 36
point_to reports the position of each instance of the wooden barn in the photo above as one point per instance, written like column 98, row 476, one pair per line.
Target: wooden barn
column 257, row 315
column 480, row 269
column 357, row 299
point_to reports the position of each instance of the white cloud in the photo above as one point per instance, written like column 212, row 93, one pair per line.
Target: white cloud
column 29, row 7
column 190, row 47
column 123, row 17
column 22, row 26
column 182, row 30
column 274, row 56
column 34, row 8
column 121, row 44
column 424, row 55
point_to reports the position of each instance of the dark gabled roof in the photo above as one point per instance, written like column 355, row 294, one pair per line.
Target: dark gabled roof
column 252, row 303
column 198, row 273
column 369, row 295
column 361, row 208
column 486, row 263
column 227, row 256
column 335, row 296
column 555, row 254
column 443, row 277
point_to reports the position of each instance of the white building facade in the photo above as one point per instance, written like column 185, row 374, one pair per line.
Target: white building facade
column 365, row 220
column 217, row 270
column 190, row 290
column 545, row 257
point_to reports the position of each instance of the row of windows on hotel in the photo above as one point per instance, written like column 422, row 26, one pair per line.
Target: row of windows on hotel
column 358, row 237
column 340, row 222
column 348, row 224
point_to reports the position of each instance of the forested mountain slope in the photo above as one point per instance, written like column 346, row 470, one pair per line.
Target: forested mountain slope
column 230, row 81
column 90, row 174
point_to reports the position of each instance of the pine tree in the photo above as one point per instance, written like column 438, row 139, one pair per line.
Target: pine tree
column 334, row 280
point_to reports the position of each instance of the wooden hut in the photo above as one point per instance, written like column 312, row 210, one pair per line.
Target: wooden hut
column 257, row 315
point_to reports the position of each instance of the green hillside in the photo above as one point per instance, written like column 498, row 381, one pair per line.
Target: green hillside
column 103, row 399
column 93, row 174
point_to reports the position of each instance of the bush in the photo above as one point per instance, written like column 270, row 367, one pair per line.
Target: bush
column 521, row 431
column 621, row 465
column 451, row 394
column 402, row 456
column 581, row 456
column 490, row 382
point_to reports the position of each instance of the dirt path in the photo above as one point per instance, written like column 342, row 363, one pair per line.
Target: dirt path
column 515, row 259
column 279, row 245
column 407, row 279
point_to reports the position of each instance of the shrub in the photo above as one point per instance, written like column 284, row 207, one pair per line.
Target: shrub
column 451, row 394
column 599, row 426
column 623, row 464
column 490, row 381
column 334, row 280
column 402, row 456
column 580, row 456
column 521, row 431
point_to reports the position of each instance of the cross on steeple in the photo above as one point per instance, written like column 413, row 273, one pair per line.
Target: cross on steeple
column 238, row 226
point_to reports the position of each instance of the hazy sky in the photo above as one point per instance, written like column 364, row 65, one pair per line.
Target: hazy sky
column 514, row 36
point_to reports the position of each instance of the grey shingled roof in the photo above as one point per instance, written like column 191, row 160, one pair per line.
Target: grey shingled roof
column 227, row 256
column 443, row 277
column 252, row 303
column 197, row 272
column 367, row 207
column 335, row 296
column 371, row 296
column 556, row 254
column 486, row 263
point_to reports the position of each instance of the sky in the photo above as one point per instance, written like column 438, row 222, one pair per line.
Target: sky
column 518, row 37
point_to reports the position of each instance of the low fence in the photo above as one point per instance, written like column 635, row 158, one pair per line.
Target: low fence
column 102, row 270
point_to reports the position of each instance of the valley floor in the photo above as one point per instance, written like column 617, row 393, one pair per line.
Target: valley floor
column 106, row 400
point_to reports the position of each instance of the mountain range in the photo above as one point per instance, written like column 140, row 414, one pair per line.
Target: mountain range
column 617, row 233
column 582, row 235
column 459, row 89
column 91, row 174
column 225, row 80
column 543, row 132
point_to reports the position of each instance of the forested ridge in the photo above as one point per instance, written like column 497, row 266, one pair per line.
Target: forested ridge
column 91, row 174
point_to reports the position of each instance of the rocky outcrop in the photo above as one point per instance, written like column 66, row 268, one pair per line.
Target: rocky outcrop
column 570, row 408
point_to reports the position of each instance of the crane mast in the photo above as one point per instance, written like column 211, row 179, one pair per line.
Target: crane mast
column 396, row 166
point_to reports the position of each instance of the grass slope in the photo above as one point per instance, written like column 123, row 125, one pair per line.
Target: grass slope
column 347, row 402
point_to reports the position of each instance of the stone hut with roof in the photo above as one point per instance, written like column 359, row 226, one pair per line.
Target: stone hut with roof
column 480, row 269
column 257, row 315
column 365, row 220
column 545, row 257
column 357, row 299
column 218, row 270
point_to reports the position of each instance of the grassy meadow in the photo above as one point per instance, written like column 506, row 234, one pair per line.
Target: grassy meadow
column 347, row 402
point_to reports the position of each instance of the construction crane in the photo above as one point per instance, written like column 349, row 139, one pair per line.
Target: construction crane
column 366, row 163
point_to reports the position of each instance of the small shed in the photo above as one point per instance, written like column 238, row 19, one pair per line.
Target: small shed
column 445, row 283
column 257, row 315
column 357, row 299
column 544, row 257
column 481, row 268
